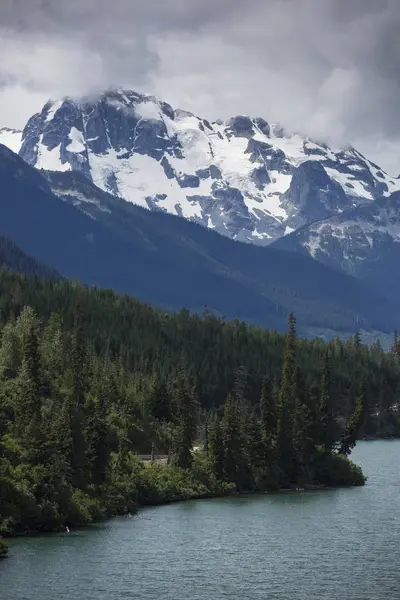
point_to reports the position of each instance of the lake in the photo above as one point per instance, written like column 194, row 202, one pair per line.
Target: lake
column 340, row 544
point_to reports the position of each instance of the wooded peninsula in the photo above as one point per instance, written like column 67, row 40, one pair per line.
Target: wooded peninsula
column 90, row 380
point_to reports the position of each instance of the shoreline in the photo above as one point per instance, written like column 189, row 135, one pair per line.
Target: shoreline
column 179, row 500
column 339, row 473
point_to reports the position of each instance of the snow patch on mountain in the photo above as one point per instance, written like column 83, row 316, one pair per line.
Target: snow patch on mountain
column 50, row 158
column 77, row 143
column 12, row 138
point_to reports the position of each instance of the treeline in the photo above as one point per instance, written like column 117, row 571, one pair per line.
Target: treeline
column 12, row 257
column 153, row 342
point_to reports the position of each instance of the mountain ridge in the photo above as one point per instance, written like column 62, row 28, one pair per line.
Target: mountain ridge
column 170, row 262
column 245, row 178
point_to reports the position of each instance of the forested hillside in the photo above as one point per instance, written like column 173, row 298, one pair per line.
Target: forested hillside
column 88, row 379
column 153, row 342
column 12, row 257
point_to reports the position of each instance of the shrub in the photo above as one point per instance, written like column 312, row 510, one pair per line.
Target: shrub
column 3, row 548
column 337, row 470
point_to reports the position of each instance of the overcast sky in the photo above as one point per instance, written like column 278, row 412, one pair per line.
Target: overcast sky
column 327, row 68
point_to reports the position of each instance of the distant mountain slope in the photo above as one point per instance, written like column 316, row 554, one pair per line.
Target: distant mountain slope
column 364, row 242
column 12, row 257
column 245, row 178
column 171, row 262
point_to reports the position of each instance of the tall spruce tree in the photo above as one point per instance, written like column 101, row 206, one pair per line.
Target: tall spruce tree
column 357, row 340
column 233, row 441
column 354, row 424
column 159, row 403
column 240, row 385
column 268, row 414
column 187, row 416
column 302, row 430
column 396, row 346
column 216, row 448
column 286, row 406
column 326, row 424
column 28, row 396
column 79, row 368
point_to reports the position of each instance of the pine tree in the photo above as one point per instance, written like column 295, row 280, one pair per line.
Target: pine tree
column 97, row 438
column 349, row 438
column 396, row 346
column 254, row 441
column 302, row 430
column 357, row 340
column 268, row 423
column 28, row 396
column 233, row 442
column 286, row 405
column 52, row 349
column 326, row 423
column 79, row 362
column 240, row 385
column 187, row 413
column 159, row 403
column 216, row 448
column 206, row 438
column 79, row 381
column 268, row 409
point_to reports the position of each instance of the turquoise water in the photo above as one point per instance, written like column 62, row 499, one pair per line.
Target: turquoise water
column 341, row 544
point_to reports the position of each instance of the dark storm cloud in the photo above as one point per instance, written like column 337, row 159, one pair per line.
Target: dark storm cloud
column 327, row 67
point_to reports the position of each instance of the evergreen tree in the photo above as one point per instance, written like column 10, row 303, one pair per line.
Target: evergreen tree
column 349, row 438
column 233, row 442
column 357, row 340
column 287, row 404
column 396, row 346
column 79, row 363
column 53, row 349
column 186, row 404
column 97, row 438
column 254, row 441
column 206, row 438
column 326, row 434
column 268, row 408
column 28, row 396
column 159, row 403
column 240, row 385
column 216, row 448
column 303, row 444
column 79, row 376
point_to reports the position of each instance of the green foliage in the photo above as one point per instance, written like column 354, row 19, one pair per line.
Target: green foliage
column 86, row 389
column 233, row 441
column 287, row 405
column 338, row 470
column 349, row 438
column 216, row 449
column 3, row 548
column 186, row 421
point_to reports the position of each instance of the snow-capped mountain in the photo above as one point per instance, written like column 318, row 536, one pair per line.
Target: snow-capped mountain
column 244, row 178
column 363, row 241
column 89, row 235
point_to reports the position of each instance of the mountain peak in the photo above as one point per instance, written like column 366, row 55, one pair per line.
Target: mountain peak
column 242, row 177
